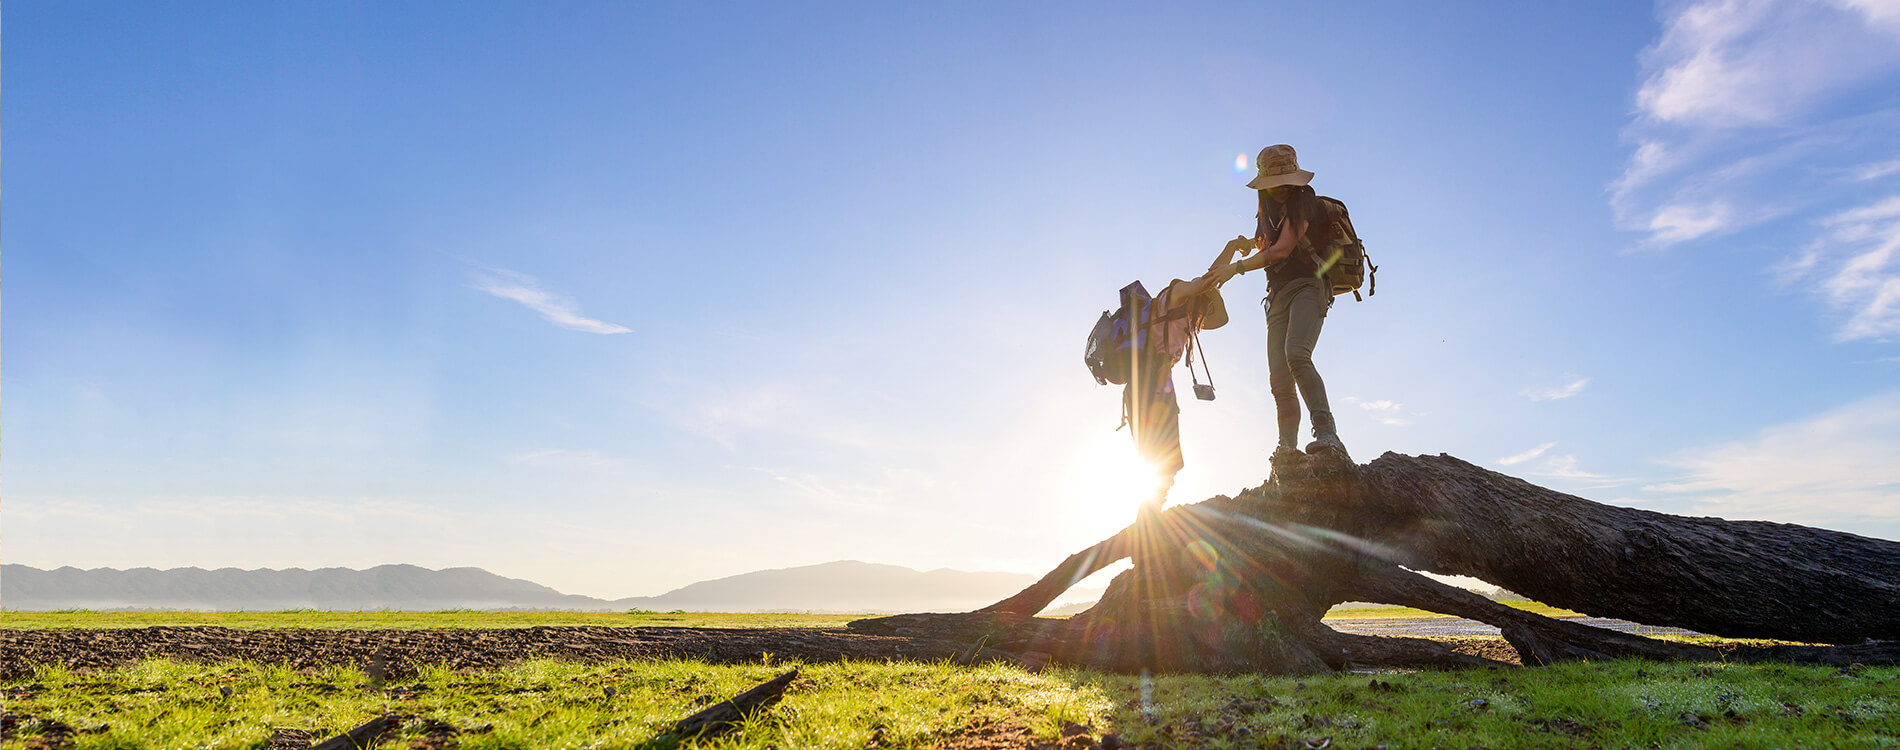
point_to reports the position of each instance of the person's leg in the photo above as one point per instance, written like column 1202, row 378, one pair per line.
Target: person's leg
column 1155, row 419
column 1306, row 315
column 1286, row 401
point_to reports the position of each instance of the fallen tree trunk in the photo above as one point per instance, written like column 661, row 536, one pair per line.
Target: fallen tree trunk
column 1240, row 584
column 1741, row 579
column 726, row 716
column 367, row 735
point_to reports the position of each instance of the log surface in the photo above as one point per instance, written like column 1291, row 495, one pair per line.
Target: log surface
column 1740, row 579
column 1240, row 584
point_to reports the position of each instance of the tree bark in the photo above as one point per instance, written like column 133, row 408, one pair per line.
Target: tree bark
column 1740, row 579
column 367, row 735
column 725, row 716
column 1240, row 584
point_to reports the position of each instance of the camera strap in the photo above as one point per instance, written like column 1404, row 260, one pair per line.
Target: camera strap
column 1194, row 343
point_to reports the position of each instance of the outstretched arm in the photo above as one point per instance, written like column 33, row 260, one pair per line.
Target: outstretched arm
column 1224, row 267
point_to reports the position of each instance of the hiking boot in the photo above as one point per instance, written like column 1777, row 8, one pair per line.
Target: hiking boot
column 1284, row 454
column 1328, row 445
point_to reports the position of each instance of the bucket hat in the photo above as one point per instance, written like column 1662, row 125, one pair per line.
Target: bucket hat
column 1278, row 166
column 1209, row 311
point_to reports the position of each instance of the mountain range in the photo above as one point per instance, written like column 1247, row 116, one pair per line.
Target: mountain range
column 842, row 586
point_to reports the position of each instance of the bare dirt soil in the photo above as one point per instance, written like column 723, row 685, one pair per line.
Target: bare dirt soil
column 396, row 651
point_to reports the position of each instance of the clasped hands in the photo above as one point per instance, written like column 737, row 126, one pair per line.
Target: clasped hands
column 1223, row 268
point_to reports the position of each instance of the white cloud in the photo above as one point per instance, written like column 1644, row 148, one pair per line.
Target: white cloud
column 1387, row 412
column 1859, row 258
column 1881, row 13
column 1832, row 469
column 1749, row 62
column 552, row 308
column 1384, row 411
column 1677, row 223
column 1572, row 388
column 1752, row 110
column 1526, row 455
column 1876, row 171
column 1565, row 467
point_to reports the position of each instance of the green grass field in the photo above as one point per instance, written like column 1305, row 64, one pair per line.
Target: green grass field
column 546, row 704
column 631, row 704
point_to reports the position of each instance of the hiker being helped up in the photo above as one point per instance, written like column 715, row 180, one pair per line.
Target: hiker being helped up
column 1177, row 315
column 1291, row 229
column 1137, row 346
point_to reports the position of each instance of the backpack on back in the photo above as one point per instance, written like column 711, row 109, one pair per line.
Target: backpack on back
column 1341, row 260
column 1119, row 337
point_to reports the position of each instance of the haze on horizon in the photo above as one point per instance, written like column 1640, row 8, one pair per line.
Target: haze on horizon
column 622, row 297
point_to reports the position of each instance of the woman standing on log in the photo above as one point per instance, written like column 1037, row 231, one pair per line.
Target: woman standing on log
column 1297, row 300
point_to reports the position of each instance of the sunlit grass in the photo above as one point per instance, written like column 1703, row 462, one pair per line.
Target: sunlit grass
column 543, row 703
column 546, row 703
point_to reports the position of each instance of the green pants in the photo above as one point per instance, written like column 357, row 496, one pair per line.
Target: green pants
column 1295, row 312
column 1154, row 416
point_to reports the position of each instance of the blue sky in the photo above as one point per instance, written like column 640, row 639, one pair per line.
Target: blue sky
column 617, row 297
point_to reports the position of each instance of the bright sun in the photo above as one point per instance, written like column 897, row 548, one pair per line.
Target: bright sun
column 1107, row 484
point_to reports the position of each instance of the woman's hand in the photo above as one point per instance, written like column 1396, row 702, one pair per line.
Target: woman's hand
column 1243, row 245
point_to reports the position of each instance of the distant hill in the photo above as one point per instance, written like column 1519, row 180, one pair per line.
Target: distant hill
column 844, row 586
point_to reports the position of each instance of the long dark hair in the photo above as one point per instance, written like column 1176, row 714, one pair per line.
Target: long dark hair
column 1298, row 199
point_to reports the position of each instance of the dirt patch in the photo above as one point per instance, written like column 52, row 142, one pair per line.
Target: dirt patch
column 1495, row 649
column 391, row 654
column 1016, row 735
column 40, row 733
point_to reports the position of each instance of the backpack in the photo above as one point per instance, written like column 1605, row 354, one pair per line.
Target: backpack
column 1118, row 337
column 1342, row 261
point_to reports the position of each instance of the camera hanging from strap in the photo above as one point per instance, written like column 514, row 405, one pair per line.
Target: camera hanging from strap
column 1202, row 392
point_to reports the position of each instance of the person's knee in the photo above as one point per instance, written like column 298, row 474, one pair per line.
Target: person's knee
column 1283, row 388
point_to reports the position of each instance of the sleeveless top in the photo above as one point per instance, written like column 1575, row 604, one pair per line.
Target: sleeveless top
column 1297, row 265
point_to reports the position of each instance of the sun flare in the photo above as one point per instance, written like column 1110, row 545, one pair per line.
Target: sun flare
column 1108, row 482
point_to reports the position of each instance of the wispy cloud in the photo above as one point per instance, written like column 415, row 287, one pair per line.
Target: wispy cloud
column 1384, row 411
column 1863, row 282
column 1572, row 388
column 1526, row 455
column 1748, row 62
column 1866, row 172
column 1566, row 467
column 1754, row 110
column 555, row 309
column 1828, row 470
column 1679, row 222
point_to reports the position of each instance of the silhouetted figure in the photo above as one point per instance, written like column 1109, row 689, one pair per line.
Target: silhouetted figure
column 1149, row 405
